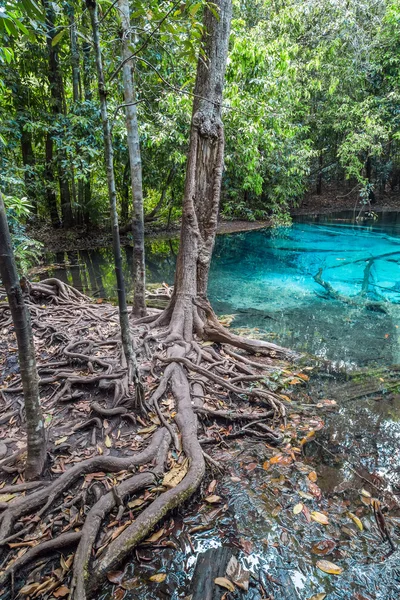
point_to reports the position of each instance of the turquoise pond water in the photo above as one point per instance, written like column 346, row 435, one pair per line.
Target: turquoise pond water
column 266, row 279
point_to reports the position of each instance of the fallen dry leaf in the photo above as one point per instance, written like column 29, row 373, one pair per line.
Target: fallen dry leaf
column 156, row 536
column 6, row 497
column 323, row 547
column 147, row 429
column 313, row 476
column 61, row 440
column 61, row 592
column 213, row 499
column 175, row 475
column 280, row 459
column 115, row 576
column 303, row 376
column 136, row 502
column 329, row 567
column 306, row 495
column 320, row 596
column 212, row 486
column 319, row 517
column 225, row 583
column 356, row 520
column 119, row 594
column 306, row 513
column 238, row 574
column 29, row 589
column 298, row 508
column 314, row 489
column 159, row 577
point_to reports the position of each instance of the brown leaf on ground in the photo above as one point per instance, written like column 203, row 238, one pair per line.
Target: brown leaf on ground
column 313, row 476
column 323, row 547
column 319, row 517
column 61, row 592
column 236, row 573
column 224, row 582
column 158, row 577
column 329, row 567
column 175, row 475
column 115, row 576
column 213, row 499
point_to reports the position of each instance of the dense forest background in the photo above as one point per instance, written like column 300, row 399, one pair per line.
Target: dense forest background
column 311, row 104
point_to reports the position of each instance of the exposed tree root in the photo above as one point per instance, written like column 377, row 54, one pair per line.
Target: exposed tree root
column 195, row 379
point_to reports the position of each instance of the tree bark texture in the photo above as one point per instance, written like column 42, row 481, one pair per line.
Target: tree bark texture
column 139, row 302
column 36, row 441
column 203, row 171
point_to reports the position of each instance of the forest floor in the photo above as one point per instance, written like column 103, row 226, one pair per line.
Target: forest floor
column 91, row 427
column 94, row 432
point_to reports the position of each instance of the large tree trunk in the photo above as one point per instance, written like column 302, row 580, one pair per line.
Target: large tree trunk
column 203, row 173
column 139, row 302
column 127, row 341
column 36, row 441
column 57, row 100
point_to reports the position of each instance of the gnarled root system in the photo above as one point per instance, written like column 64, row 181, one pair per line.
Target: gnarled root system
column 113, row 475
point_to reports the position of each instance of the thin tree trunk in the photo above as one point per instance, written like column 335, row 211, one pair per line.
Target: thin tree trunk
column 203, row 173
column 51, row 197
column 77, row 190
column 319, row 177
column 28, row 159
column 36, row 440
column 74, row 54
column 153, row 213
column 57, row 105
column 139, row 302
column 126, row 336
column 87, row 92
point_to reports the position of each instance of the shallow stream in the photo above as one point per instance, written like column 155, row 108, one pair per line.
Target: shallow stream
column 266, row 279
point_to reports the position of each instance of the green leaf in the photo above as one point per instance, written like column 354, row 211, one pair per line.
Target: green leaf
column 58, row 37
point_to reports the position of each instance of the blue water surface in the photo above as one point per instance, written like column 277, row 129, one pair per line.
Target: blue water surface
column 266, row 279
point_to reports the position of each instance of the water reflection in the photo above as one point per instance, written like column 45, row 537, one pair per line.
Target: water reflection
column 266, row 279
